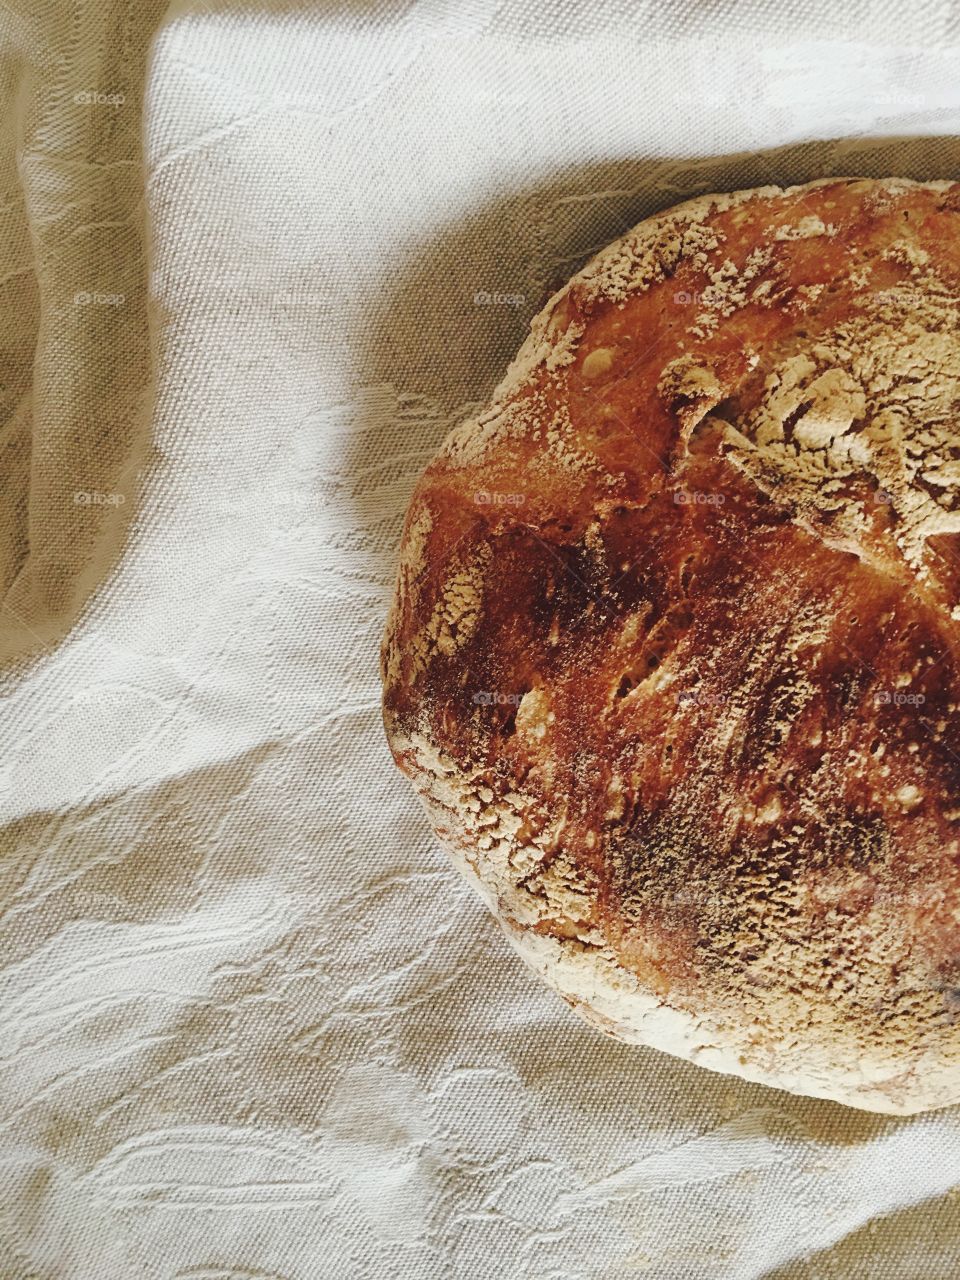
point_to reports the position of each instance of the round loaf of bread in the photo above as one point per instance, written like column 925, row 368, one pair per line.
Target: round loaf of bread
column 673, row 658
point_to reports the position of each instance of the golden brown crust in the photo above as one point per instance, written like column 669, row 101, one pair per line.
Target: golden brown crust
column 671, row 658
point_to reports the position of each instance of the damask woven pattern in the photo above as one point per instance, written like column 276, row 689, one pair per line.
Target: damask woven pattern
column 256, row 258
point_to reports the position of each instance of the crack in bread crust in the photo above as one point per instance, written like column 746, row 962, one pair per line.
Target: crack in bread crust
column 671, row 655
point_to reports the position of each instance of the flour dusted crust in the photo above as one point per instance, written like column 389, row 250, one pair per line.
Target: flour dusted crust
column 673, row 658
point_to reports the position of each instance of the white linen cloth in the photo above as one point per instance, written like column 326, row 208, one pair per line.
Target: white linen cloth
column 253, row 1025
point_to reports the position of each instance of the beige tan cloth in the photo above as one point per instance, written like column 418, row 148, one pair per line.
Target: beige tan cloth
column 256, row 259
